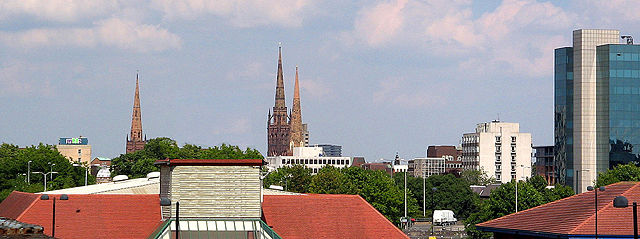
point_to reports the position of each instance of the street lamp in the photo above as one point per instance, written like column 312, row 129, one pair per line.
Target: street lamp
column 523, row 167
column 433, row 207
column 86, row 172
column 595, row 199
column 51, row 170
column 622, row 202
column 29, row 172
column 44, row 175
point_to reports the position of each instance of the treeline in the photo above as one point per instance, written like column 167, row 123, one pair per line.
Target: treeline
column 138, row 164
column 14, row 165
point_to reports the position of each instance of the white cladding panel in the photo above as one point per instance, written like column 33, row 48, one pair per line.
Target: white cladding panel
column 216, row 191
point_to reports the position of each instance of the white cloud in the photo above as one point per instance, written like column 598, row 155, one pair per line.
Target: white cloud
column 241, row 13
column 112, row 32
column 57, row 10
column 519, row 34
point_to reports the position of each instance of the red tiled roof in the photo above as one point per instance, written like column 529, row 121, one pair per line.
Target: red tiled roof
column 212, row 162
column 575, row 215
column 16, row 203
column 89, row 216
column 326, row 216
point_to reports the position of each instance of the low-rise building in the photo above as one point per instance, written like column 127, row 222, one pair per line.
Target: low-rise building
column 77, row 150
column 311, row 157
column 452, row 155
column 384, row 166
column 545, row 164
column 425, row 167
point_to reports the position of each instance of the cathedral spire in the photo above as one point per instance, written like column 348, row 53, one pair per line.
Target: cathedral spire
column 280, row 102
column 136, row 141
column 297, row 138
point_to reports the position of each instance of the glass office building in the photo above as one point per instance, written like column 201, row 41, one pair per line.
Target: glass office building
column 617, row 110
column 563, row 101
column 618, row 102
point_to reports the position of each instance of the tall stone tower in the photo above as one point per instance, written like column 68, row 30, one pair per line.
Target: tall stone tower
column 297, row 134
column 278, row 128
column 135, row 141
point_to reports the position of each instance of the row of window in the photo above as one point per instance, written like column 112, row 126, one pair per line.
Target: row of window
column 499, row 139
column 316, row 161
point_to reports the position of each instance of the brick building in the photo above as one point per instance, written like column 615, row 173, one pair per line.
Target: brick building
column 135, row 141
column 452, row 155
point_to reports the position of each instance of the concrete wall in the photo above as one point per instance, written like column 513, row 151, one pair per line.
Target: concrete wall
column 71, row 152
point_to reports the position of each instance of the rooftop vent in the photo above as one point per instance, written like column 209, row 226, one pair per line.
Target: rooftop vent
column 120, row 178
column 153, row 175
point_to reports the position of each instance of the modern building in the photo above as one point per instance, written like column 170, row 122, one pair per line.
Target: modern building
column 425, row 167
column 75, row 149
column 545, row 166
column 311, row 157
column 285, row 130
column 135, row 141
column 452, row 154
column 572, row 217
column 499, row 150
column 330, row 150
column 596, row 97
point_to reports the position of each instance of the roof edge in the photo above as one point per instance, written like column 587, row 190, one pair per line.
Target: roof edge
column 522, row 232
column 380, row 214
column 30, row 205
column 211, row 162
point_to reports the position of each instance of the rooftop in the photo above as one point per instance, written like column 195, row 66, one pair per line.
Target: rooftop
column 212, row 162
column 130, row 186
column 84, row 216
column 326, row 216
column 573, row 215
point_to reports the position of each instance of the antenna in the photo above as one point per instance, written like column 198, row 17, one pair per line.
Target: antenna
column 279, row 44
column 628, row 38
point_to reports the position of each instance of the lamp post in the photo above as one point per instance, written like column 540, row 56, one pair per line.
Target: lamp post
column 29, row 172
column 424, row 192
column 433, row 207
column 51, row 169
column 44, row 175
column 595, row 199
column 523, row 167
column 86, row 172
column 622, row 202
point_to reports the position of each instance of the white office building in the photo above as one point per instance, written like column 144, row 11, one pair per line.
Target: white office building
column 311, row 157
column 425, row 167
column 499, row 149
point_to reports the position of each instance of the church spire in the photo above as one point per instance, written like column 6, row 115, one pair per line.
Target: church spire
column 297, row 138
column 136, row 141
column 280, row 102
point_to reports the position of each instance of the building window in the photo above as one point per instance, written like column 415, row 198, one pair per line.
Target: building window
column 498, row 157
column 513, row 148
column 513, row 158
column 497, row 139
column 282, row 161
column 497, row 148
column 513, row 139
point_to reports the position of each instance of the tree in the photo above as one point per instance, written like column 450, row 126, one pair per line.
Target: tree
column 296, row 178
column 531, row 193
column 14, row 164
column 139, row 164
column 621, row 172
column 477, row 177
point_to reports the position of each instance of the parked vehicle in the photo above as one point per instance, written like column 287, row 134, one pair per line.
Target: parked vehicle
column 444, row 218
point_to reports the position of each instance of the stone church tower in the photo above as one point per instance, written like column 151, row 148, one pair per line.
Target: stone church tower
column 135, row 142
column 297, row 134
column 278, row 128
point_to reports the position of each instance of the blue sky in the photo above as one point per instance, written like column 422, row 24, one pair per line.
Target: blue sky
column 377, row 76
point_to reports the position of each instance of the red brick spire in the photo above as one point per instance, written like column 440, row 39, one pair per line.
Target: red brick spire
column 136, row 141
column 297, row 139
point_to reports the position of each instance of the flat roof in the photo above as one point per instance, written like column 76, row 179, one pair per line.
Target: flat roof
column 211, row 162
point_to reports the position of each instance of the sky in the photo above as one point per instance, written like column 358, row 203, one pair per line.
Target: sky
column 377, row 77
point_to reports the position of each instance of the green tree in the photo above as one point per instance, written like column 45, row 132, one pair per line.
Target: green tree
column 531, row 193
column 296, row 178
column 14, row 163
column 140, row 163
column 477, row 177
column 331, row 180
column 621, row 172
